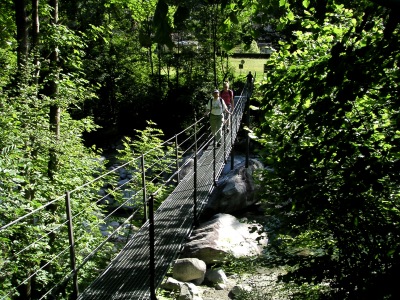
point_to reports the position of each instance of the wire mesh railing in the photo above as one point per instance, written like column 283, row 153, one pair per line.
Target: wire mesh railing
column 54, row 247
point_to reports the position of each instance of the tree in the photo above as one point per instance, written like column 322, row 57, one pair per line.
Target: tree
column 41, row 150
column 329, row 133
column 148, row 154
column 52, row 91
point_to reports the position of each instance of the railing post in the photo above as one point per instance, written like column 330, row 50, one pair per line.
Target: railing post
column 224, row 137
column 195, row 178
column 152, row 264
column 144, row 190
column 177, row 159
column 232, row 145
column 214, row 162
column 195, row 131
column 71, row 246
column 248, row 126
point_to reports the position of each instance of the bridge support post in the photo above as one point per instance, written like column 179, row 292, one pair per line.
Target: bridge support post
column 232, row 143
column 224, row 137
column 214, row 162
column 177, row 159
column 145, row 214
column 152, row 264
column 195, row 179
column 248, row 126
column 71, row 246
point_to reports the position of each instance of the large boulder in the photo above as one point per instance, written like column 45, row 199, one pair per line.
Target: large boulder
column 189, row 269
column 217, row 276
column 223, row 235
column 235, row 190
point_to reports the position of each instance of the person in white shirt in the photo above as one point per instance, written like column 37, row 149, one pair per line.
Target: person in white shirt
column 216, row 107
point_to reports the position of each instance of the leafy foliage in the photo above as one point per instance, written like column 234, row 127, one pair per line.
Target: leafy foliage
column 25, row 186
column 158, row 159
column 330, row 133
column 33, row 253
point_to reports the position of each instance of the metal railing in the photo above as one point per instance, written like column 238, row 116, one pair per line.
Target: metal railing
column 67, row 236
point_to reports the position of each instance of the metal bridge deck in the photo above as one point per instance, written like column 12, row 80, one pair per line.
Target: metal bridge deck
column 128, row 275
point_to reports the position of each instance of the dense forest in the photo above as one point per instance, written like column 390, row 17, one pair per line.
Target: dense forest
column 77, row 76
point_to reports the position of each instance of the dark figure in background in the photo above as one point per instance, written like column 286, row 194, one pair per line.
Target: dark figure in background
column 250, row 82
column 249, row 78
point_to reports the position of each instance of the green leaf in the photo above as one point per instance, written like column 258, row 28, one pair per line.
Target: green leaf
column 290, row 16
column 391, row 252
column 306, row 3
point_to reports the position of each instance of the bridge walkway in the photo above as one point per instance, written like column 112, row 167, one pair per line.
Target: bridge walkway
column 131, row 275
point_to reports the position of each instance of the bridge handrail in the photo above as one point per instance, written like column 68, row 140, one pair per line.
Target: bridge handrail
column 61, row 197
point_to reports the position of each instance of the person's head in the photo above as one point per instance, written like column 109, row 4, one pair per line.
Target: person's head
column 216, row 93
column 226, row 85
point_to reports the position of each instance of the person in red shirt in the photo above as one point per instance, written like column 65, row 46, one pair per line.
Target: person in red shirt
column 227, row 95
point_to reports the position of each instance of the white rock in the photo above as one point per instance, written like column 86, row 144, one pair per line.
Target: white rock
column 223, row 235
column 188, row 269
column 216, row 276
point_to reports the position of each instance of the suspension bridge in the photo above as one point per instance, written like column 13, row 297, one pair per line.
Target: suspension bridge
column 142, row 263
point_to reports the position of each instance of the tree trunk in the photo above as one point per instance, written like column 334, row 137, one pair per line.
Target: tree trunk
column 214, row 37
column 178, row 60
column 54, row 120
column 35, row 38
column 21, row 22
column 30, row 192
column 151, row 61
column 55, row 111
column 35, row 23
column 159, row 67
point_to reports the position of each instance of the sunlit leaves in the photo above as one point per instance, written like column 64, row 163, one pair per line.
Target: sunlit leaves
column 156, row 156
column 290, row 15
column 331, row 133
column 139, row 9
